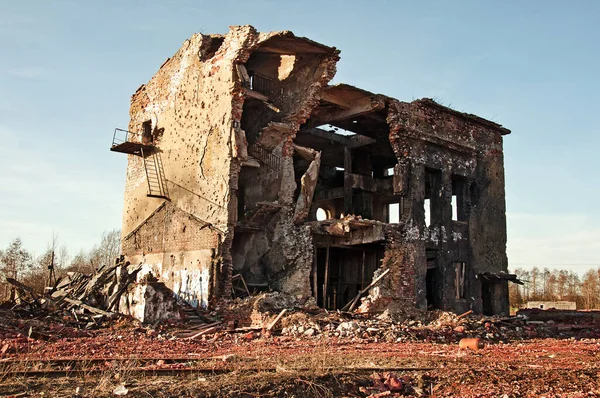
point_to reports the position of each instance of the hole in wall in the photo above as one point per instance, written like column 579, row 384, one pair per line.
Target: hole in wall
column 454, row 208
column 323, row 214
column 427, row 208
column 393, row 212
column 286, row 66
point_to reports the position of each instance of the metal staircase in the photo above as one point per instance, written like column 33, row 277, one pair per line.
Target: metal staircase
column 133, row 144
column 265, row 157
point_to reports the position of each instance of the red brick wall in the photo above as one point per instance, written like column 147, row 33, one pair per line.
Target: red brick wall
column 170, row 229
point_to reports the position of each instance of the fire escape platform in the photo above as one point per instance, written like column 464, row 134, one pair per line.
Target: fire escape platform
column 132, row 148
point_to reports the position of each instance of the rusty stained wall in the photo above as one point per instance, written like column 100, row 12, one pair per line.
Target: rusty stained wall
column 425, row 135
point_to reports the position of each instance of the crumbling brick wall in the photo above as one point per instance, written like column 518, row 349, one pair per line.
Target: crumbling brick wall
column 424, row 135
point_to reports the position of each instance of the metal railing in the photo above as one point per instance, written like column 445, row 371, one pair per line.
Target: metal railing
column 120, row 136
column 265, row 85
column 265, row 157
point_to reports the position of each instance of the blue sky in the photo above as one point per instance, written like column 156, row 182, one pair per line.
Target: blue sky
column 68, row 69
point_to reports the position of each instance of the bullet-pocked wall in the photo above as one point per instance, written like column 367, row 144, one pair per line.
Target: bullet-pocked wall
column 191, row 113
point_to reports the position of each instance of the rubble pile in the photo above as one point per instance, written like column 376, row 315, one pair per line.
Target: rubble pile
column 275, row 313
column 430, row 326
column 75, row 301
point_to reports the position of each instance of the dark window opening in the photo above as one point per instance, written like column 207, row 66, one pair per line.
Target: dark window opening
column 474, row 194
column 459, row 212
column 339, row 274
column 432, row 278
column 432, row 204
column 215, row 44
column 487, row 297
column 241, row 205
column 147, row 132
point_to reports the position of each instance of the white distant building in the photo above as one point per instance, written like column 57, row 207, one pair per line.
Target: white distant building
column 545, row 305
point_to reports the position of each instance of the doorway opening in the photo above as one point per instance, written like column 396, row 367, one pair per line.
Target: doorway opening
column 486, row 297
column 432, row 279
column 340, row 273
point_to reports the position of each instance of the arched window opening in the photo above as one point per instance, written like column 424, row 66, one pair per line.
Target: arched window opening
column 323, row 214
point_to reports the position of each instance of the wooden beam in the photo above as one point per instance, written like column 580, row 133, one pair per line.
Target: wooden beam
column 358, row 108
column 352, row 141
column 348, row 181
column 353, row 303
column 339, row 283
column 315, row 274
column 326, row 281
column 362, row 271
column 272, row 325
column 358, row 140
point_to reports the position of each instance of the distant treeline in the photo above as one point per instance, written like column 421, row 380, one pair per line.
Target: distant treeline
column 18, row 263
column 556, row 285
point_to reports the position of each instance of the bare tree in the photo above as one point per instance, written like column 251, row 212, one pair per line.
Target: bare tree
column 589, row 289
column 109, row 248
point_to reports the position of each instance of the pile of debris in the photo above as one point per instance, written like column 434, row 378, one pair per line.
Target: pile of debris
column 430, row 326
column 87, row 298
column 275, row 313
column 85, row 301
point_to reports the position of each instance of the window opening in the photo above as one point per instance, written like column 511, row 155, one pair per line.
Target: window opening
column 486, row 297
column 427, row 207
column 454, row 208
column 147, row 132
column 323, row 214
column 393, row 213
column 459, row 184
column 432, row 203
column 431, row 280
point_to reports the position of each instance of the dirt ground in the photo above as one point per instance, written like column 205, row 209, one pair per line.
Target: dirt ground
column 137, row 363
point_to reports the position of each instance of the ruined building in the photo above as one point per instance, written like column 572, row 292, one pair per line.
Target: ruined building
column 242, row 159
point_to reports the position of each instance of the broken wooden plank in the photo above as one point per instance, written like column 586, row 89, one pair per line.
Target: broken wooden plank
column 211, row 330
column 350, row 306
column 87, row 307
column 24, row 289
column 274, row 323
